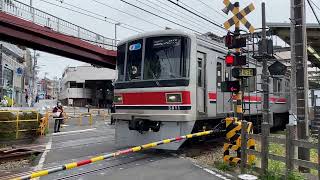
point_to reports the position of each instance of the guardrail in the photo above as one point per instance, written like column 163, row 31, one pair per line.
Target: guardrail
column 108, row 156
column 54, row 23
column 290, row 143
column 17, row 120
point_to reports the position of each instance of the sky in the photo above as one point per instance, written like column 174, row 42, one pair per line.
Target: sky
column 276, row 10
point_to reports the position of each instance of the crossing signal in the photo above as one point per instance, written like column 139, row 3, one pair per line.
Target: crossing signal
column 230, row 86
column 235, row 60
column 234, row 41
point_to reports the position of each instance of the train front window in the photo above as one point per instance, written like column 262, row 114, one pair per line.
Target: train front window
column 165, row 58
column 134, row 59
column 121, row 55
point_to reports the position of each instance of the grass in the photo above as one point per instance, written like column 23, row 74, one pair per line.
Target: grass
column 222, row 166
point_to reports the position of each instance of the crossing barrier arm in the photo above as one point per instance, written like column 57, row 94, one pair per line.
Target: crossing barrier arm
column 108, row 156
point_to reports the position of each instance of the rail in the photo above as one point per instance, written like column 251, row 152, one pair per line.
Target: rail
column 29, row 13
column 290, row 143
column 18, row 119
column 111, row 155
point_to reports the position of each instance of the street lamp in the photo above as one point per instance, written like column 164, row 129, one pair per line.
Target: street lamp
column 115, row 32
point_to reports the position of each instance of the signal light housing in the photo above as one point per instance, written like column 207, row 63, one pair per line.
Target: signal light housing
column 235, row 60
column 232, row 41
column 230, row 86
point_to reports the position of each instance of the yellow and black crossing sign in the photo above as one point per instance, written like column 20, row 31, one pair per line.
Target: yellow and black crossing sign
column 238, row 16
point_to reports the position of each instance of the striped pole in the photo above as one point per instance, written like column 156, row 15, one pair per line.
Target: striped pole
column 107, row 156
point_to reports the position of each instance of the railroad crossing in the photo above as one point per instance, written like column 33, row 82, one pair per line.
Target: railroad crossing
column 200, row 104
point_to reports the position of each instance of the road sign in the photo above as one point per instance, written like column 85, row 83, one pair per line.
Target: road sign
column 277, row 69
column 238, row 16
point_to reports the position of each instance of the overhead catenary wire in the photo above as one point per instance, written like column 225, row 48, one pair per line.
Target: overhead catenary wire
column 208, row 20
column 315, row 5
column 160, row 16
column 221, row 14
column 124, row 12
column 88, row 15
column 313, row 11
column 177, row 10
column 180, row 13
column 140, row 30
column 179, row 19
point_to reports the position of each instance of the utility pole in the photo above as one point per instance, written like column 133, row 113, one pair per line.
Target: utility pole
column 33, row 92
column 300, row 59
column 265, row 88
column 265, row 74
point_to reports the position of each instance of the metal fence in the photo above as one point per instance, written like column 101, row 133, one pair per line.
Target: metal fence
column 18, row 119
column 54, row 23
column 290, row 143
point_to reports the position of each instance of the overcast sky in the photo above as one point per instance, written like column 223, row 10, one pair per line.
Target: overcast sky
column 277, row 11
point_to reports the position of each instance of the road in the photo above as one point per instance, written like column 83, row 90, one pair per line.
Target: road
column 76, row 143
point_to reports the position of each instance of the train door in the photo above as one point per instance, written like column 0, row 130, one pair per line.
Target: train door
column 220, row 95
column 201, row 88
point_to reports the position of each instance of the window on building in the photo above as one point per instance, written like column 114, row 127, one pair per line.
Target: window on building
column 79, row 85
column 72, row 84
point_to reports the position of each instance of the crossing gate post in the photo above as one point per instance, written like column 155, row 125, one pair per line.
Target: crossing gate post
column 243, row 145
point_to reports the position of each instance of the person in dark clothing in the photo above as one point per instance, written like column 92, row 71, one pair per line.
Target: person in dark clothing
column 113, row 110
column 27, row 97
column 58, row 117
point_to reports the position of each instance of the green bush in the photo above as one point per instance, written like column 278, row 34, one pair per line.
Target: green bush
column 8, row 129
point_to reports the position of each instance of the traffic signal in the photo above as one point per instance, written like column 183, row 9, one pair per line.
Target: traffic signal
column 232, row 41
column 235, row 60
column 230, row 86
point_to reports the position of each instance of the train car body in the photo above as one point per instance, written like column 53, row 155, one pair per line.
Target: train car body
column 169, row 84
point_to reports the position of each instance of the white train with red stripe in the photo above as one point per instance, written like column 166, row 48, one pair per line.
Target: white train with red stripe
column 169, row 84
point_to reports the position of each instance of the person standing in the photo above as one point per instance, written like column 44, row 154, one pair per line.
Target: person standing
column 58, row 117
column 113, row 110
column 27, row 97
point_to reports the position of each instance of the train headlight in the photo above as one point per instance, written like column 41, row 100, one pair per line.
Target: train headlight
column 118, row 99
column 173, row 98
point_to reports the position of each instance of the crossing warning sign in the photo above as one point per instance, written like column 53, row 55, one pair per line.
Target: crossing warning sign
column 238, row 16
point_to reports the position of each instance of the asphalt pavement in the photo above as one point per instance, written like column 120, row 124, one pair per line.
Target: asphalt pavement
column 75, row 143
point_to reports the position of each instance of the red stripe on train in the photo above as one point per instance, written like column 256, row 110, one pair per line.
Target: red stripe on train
column 152, row 98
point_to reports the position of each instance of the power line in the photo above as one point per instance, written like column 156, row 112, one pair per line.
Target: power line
column 179, row 13
column 160, row 16
column 140, row 30
column 212, row 8
column 88, row 15
column 214, row 23
column 137, row 17
column 168, row 14
column 314, row 13
column 315, row 5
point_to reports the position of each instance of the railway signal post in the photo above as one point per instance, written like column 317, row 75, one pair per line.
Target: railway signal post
column 237, row 59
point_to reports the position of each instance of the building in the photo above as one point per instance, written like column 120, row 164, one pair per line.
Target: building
column 12, row 67
column 87, row 85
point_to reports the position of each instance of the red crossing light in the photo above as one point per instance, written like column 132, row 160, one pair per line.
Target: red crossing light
column 229, row 60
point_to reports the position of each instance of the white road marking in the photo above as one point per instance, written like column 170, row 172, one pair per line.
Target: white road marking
column 212, row 172
column 71, row 132
column 43, row 156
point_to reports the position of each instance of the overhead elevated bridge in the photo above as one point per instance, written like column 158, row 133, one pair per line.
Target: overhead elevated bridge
column 27, row 26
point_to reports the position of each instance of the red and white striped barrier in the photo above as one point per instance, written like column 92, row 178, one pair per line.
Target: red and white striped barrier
column 107, row 156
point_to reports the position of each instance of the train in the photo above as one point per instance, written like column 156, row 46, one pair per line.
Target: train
column 169, row 84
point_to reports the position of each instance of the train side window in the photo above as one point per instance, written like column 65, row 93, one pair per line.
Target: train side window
column 219, row 74
column 275, row 90
column 200, row 72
